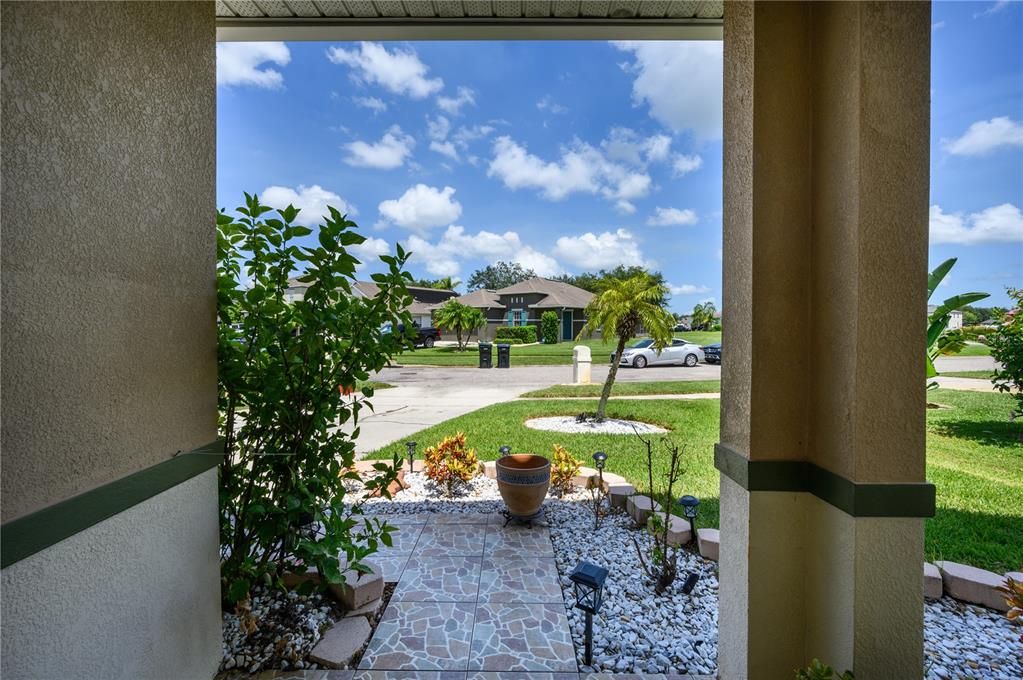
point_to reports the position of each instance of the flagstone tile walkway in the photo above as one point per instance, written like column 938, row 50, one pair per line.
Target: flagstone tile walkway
column 472, row 596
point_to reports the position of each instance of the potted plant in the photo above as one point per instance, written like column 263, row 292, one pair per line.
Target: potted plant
column 523, row 480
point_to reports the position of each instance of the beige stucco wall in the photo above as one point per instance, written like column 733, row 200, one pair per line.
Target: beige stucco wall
column 136, row 596
column 108, row 346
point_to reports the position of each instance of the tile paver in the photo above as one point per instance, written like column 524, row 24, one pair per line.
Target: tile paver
column 517, row 541
column 522, row 637
column 421, row 636
column 446, row 540
column 520, row 579
column 439, row 579
column 475, row 601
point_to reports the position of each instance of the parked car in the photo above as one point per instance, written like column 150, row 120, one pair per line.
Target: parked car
column 421, row 337
column 713, row 353
column 643, row 354
column 682, row 327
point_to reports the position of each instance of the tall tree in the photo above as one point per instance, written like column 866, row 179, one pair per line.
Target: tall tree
column 703, row 316
column 499, row 275
column 591, row 280
column 455, row 316
column 445, row 283
column 618, row 310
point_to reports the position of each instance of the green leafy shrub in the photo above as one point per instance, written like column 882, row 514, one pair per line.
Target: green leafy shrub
column 450, row 463
column 549, row 327
column 524, row 334
column 563, row 469
column 1006, row 343
column 820, row 671
column 280, row 366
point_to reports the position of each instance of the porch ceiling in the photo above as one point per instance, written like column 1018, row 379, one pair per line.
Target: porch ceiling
column 468, row 19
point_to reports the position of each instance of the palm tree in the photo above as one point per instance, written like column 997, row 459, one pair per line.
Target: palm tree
column 619, row 308
column 458, row 317
column 940, row 340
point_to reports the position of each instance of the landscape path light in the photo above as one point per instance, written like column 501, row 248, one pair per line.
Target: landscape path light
column 600, row 459
column 588, row 582
column 411, row 446
column 690, row 508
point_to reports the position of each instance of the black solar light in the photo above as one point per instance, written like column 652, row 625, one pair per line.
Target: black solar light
column 600, row 459
column 505, row 450
column 588, row 581
column 690, row 508
column 411, row 446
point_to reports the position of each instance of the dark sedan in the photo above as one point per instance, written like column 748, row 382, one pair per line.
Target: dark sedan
column 712, row 353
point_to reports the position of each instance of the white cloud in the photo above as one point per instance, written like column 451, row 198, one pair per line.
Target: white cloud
column 688, row 289
column 453, row 105
column 445, row 148
column 422, row 207
column 937, row 25
column 993, row 9
column 548, row 104
column 997, row 224
column 581, row 168
column 238, row 63
column 399, row 71
column 438, row 128
column 444, row 257
column 312, row 201
column 660, row 68
column 600, row 251
column 519, row 169
column 466, row 135
column 985, row 136
column 623, row 144
column 390, row 152
column 372, row 103
column 664, row 217
column 682, row 164
column 368, row 251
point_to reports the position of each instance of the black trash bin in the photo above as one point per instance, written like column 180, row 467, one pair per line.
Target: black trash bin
column 504, row 356
column 486, row 355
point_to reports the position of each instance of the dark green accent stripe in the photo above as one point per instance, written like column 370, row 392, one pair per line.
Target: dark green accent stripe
column 855, row 499
column 28, row 535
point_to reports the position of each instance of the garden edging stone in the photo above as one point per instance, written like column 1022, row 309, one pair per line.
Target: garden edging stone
column 971, row 584
column 341, row 642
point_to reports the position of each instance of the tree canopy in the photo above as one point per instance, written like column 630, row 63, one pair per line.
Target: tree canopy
column 445, row 283
column 499, row 275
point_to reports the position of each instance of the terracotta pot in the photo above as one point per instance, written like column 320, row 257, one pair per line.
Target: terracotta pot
column 523, row 480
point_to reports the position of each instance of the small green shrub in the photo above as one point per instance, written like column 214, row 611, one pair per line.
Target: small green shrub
column 820, row 671
column 563, row 469
column 1007, row 348
column 549, row 327
column 450, row 463
column 524, row 334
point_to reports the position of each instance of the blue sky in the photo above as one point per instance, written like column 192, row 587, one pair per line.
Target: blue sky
column 578, row 156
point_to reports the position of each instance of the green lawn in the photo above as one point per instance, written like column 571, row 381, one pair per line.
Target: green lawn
column 622, row 389
column 531, row 355
column 974, row 349
column 982, row 375
column 975, row 458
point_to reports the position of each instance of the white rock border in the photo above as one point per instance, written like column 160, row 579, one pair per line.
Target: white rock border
column 569, row 425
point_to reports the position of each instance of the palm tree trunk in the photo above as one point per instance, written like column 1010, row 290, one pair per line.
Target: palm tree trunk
column 458, row 338
column 609, row 383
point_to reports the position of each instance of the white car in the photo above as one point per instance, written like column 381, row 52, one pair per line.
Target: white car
column 643, row 354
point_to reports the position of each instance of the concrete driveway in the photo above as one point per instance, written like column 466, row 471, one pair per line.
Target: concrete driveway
column 424, row 396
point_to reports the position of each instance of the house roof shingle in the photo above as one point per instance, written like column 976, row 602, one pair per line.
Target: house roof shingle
column 558, row 293
column 481, row 299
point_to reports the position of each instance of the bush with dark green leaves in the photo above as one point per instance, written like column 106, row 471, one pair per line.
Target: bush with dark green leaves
column 524, row 334
column 549, row 327
column 1006, row 343
column 282, row 368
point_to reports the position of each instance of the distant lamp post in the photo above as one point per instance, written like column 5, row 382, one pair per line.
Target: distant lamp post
column 505, row 450
column 411, row 446
column 588, row 581
column 690, row 508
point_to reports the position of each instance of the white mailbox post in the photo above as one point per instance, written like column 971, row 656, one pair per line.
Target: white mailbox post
column 581, row 365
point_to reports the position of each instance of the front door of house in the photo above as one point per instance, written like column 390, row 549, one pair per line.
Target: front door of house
column 566, row 324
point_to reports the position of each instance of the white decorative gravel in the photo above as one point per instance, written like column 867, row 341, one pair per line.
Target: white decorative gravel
column 570, row 425
column 963, row 640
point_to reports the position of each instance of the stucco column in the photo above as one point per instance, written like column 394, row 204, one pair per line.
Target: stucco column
column 825, row 261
